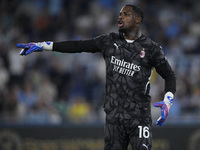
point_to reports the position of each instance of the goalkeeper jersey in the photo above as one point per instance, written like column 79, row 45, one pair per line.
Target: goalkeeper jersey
column 128, row 70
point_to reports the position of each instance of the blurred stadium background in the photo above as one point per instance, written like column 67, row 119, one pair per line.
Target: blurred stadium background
column 65, row 90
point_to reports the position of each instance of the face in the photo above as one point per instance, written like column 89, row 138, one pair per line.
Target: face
column 128, row 21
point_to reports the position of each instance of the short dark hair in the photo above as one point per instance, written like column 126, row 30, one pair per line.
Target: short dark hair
column 138, row 11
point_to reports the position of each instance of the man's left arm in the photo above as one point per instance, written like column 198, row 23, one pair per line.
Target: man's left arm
column 164, row 69
column 170, row 88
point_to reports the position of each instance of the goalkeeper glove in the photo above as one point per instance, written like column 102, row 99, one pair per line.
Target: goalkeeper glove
column 165, row 106
column 34, row 47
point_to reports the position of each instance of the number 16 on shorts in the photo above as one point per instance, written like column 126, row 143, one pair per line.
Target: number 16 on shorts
column 143, row 132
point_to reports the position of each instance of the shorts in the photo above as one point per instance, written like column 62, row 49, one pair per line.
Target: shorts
column 120, row 132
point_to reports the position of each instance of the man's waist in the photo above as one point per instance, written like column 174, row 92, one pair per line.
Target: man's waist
column 128, row 114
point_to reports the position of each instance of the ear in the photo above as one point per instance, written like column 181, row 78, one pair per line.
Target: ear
column 138, row 20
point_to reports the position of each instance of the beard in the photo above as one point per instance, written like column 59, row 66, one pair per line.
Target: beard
column 122, row 30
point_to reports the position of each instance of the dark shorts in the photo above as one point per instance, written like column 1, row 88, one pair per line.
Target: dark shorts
column 120, row 132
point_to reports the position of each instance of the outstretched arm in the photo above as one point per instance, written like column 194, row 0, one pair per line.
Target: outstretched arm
column 75, row 46
column 65, row 47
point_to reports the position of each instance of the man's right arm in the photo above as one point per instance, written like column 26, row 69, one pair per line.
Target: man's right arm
column 65, row 47
column 92, row 45
column 75, row 46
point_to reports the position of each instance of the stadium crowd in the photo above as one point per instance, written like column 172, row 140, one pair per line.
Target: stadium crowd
column 57, row 88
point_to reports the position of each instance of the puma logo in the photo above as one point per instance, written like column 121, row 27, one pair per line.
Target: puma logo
column 144, row 145
column 116, row 45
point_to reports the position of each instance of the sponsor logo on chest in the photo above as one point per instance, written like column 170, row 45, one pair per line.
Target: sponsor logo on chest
column 124, row 67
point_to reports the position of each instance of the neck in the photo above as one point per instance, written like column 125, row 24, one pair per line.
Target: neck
column 132, row 35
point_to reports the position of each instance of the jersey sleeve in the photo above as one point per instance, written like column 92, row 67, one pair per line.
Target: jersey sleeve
column 163, row 68
column 91, row 45
column 74, row 46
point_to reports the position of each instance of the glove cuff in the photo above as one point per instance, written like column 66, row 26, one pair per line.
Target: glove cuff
column 168, row 99
column 48, row 46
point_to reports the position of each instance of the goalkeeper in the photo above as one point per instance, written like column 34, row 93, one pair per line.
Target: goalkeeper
column 130, row 58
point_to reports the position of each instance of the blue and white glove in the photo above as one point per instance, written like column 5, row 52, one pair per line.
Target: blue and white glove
column 165, row 107
column 34, row 47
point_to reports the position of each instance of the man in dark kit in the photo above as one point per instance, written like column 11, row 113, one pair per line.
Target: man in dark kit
column 130, row 58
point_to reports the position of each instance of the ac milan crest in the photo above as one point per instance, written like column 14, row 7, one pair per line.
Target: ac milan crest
column 142, row 53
